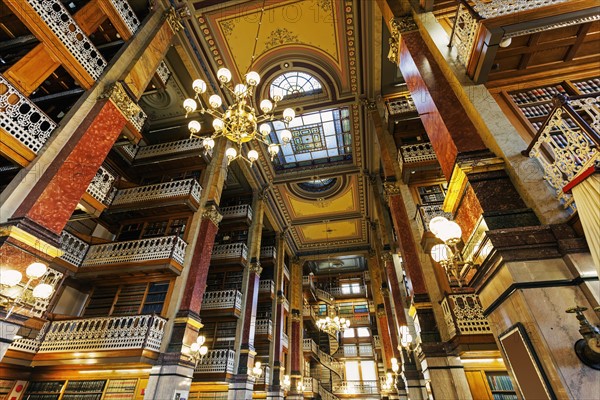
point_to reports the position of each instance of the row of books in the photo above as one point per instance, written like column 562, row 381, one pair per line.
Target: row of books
column 85, row 386
column 505, row 396
column 82, row 396
column 500, row 382
column 49, row 386
column 121, row 385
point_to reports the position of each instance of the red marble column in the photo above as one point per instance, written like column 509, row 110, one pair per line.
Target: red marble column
column 278, row 347
column 394, row 287
column 393, row 329
column 249, row 313
column 384, row 335
column 296, row 344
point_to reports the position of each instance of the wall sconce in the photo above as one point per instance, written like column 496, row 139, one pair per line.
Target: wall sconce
column 448, row 254
column 588, row 348
column 286, row 383
column 256, row 371
column 406, row 342
column 198, row 349
column 13, row 294
column 388, row 384
column 395, row 366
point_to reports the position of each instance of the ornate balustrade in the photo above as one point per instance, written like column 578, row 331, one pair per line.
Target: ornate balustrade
column 151, row 249
column 60, row 22
column 376, row 341
column 266, row 286
column 341, row 292
column 285, row 340
column 158, row 192
column 22, row 119
column 326, row 394
column 498, row 8
column 222, row 299
column 105, row 333
column 169, row 148
column 230, row 250
column 286, row 270
column 264, row 327
column 366, row 276
column 286, row 304
column 311, row 385
column 323, row 295
column 427, row 212
column 399, row 105
column 101, row 187
column 74, row 248
column 127, row 14
column 330, row 362
column 308, row 311
column 465, row 31
column 235, row 212
column 138, row 120
column 216, row 361
column 265, row 378
column 268, row 252
column 25, row 345
column 415, row 153
column 567, row 142
column 463, row 314
column 356, row 387
column 307, row 280
column 163, row 72
column 309, row 345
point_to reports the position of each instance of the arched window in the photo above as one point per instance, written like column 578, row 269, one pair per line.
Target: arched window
column 317, row 185
column 295, row 84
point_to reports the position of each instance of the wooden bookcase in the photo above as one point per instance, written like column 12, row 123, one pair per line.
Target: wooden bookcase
column 6, row 386
column 128, row 299
column 500, row 386
column 120, row 389
column 101, row 389
column 49, row 390
column 84, row 390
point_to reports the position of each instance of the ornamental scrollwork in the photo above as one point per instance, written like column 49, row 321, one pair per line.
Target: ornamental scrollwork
column 255, row 267
column 119, row 97
column 390, row 189
column 211, row 212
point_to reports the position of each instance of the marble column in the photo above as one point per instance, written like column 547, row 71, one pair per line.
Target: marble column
column 296, row 354
column 448, row 379
column 393, row 284
column 274, row 389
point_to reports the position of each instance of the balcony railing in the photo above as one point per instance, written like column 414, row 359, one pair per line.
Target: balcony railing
column 427, row 212
column 268, row 252
column 235, row 212
column 326, row 394
column 163, row 72
column 217, row 361
column 358, row 320
column 162, row 149
column 22, row 119
column 307, row 280
column 311, row 385
column 158, row 192
column 497, row 8
column 105, row 333
column 309, row 345
column 286, row 304
column 362, row 350
column 341, row 292
column 127, row 15
column 567, row 142
column 264, row 327
column 101, row 187
column 415, row 153
column 74, row 248
column 229, row 251
column 222, row 299
column 285, row 340
column 323, row 295
column 160, row 248
column 463, row 314
column 266, row 286
column 265, row 378
column 308, row 311
column 356, row 387
column 376, row 341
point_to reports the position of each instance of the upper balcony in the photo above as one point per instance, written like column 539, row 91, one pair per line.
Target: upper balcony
column 264, row 327
column 100, row 191
column 268, row 254
column 74, row 250
column 165, row 254
column 266, row 289
column 416, row 160
column 425, row 213
column 177, row 154
column 222, row 303
column 228, row 254
column 354, row 388
column 171, row 197
column 348, row 292
column 236, row 215
column 285, row 341
column 463, row 314
column 358, row 319
column 218, row 363
column 95, row 340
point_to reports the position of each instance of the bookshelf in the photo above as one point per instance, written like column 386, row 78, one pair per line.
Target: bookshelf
column 47, row 390
column 84, row 390
column 120, row 389
column 501, row 386
column 101, row 301
column 5, row 388
column 129, row 299
column 155, row 298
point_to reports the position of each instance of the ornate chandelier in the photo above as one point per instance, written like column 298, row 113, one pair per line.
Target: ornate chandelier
column 332, row 324
column 240, row 122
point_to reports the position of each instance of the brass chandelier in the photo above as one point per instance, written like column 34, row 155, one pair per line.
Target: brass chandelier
column 240, row 123
column 332, row 324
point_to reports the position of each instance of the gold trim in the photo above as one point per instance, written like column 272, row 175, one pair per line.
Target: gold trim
column 118, row 96
column 213, row 214
column 189, row 321
column 30, row 240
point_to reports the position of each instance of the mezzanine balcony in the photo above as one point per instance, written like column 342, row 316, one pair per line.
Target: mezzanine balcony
column 266, row 288
column 100, row 191
column 218, row 363
column 426, row 212
column 285, row 340
column 264, row 327
column 268, row 254
column 230, row 253
column 166, row 253
column 463, row 314
column 348, row 292
column 222, row 303
column 74, row 250
column 358, row 319
column 172, row 197
column 134, row 338
column 170, row 154
column 416, row 157
column 356, row 388
column 234, row 215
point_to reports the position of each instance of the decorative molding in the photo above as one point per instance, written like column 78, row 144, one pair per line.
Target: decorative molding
column 386, row 256
column 563, row 24
column 173, row 19
column 255, row 267
column 211, row 212
column 390, row 189
column 399, row 26
column 119, row 97
column 380, row 312
column 385, row 291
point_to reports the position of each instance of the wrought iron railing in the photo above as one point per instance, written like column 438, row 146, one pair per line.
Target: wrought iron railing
column 427, row 212
column 268, row 252
column 150, row 249
column 239, row 211
column 340, row 291
column 127, row 15
column 161, row 149
column 104, row 333
column 463, row 314
column 158, row 191
column 356, row 387
column 230, row 250
column 216, row 361
column 74, row 248
column 264, row 327
column 567, row 142
column 163, row 72
column 498, row 8
column 415, row 153
column 222, row 299
column 102, row 186
column 266, row 286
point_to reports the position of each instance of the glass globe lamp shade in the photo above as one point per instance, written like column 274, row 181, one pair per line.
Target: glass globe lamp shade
column 224, row 75
column 208, row 143
column 13, row 292
column 36, row 270
column 9, row 277
column 257, row 364
column 266, row 106
column 215, row 101
column 203, row 350
column 231, row 153
column 194, row 126
column 450, row 231
column 42, row 291
column 195, row 347
column 189, row 105
column 439, row 253
column 252, row 78
column 436, row 224
column 253, row 155
column 347, row 323
column 395, row 367
column 240, row 90
column 199, row 86
column 218, row 124
column 201, row 339
column 288, row 115
column 286, row 136
column 264, row 129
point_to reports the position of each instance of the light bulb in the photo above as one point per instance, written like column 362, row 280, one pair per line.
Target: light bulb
column 253, row 155
column 195, row 347
column 9, row 277
column 395, row 367
column 505, row 43
column 224, row 75
column 450, row 231
column 189, row 105
column 266, row 106
column 394, row 360
column 286, row 136
column 215, row 101
column 13, row 292
column 436, row 223
column 264, row 129
column 36, row 270
column 199, row 86
column 257, row 364
column 231, row 153
column 203, row 350
column 252, row 78
column 440, row 252
column 218, row 124
column 288, row 115
column 42, row 291
column 201, row 339
column 194, row 126
column 208, row 143
column 240, row 90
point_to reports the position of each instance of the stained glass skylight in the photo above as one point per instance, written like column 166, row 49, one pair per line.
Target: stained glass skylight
column 318, row 185
column 317, row 138
column 295, row 84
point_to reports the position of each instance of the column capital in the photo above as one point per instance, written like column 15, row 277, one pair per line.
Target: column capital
column 173, row 19
column 255, row 267
column 386, row 256
column 390, row 189
column 398, row 27
column 211, row 212
column 385, row 291
column 380, row 311
column 121, row 99
column 296, row 316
